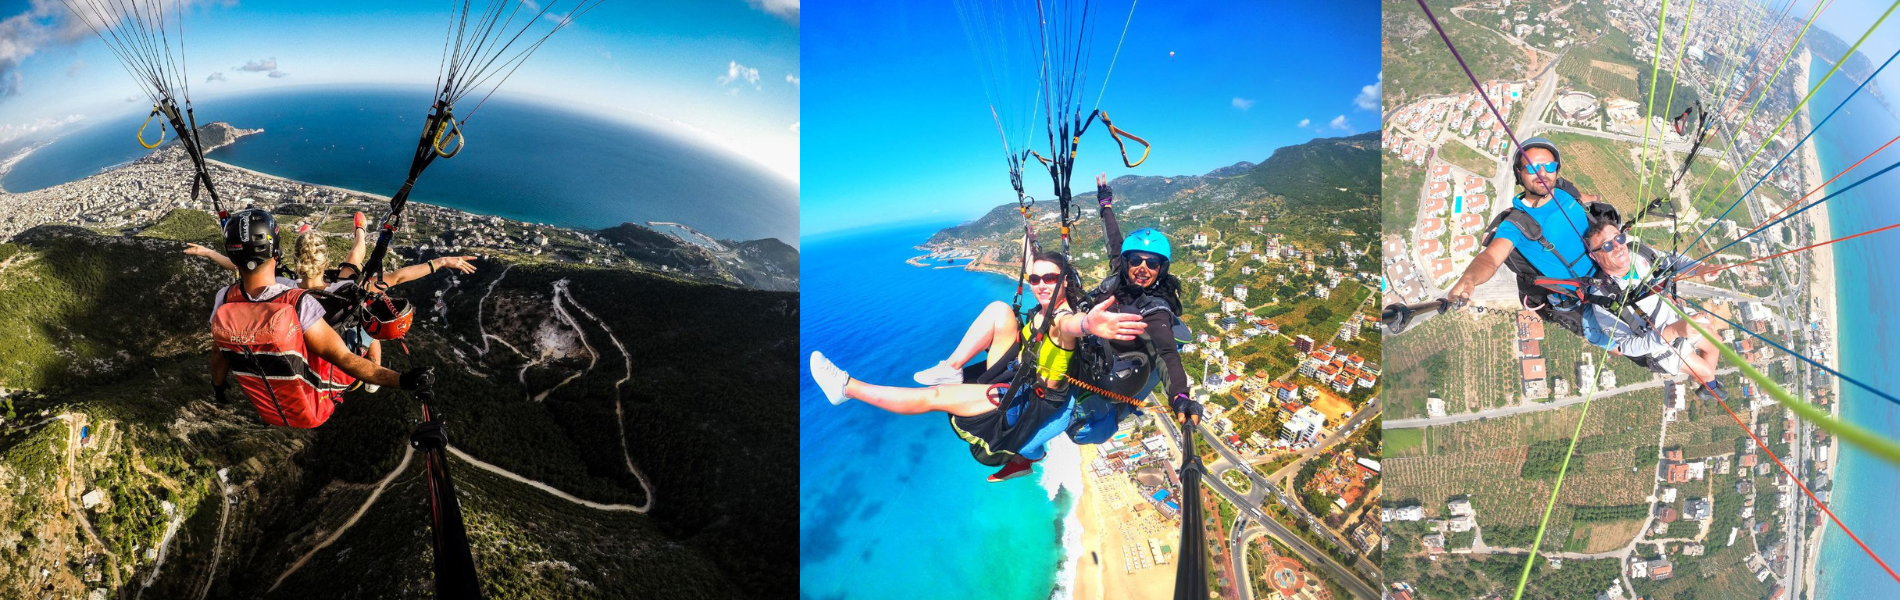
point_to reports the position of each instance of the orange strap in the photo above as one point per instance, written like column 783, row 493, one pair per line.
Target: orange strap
column 1117, row 133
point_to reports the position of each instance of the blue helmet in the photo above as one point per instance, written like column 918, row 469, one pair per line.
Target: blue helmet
column 1148, row 239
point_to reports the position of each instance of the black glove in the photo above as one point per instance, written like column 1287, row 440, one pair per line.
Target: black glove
column 416, row 378
column 221, row 391
column 1104, row 195
column 1186, row 407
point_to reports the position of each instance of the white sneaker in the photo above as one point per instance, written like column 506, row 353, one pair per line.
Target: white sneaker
column 371, row 387
column 830, row 378
column 939, row 374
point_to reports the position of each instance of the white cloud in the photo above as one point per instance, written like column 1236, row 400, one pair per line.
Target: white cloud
column 215, row 76
column 1304, row 123
column 784, row 9
column 10, row 132
column 258, row 66
column 1369, row 96
column 795, row 129
column 73, row 70
column 791, row 79
column 739, row 72
column 278, row 74
column 1340, row 123
column 1242, row 103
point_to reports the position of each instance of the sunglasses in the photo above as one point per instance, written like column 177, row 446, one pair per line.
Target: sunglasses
column 1542, row 167
column 1145, row 259
column 1621, row 239
column 1051, row 279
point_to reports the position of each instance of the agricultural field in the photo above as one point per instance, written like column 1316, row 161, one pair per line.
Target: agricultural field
column 1400, row 184
column 1603, row 167
column 1467, row 158
column 1496, row 462
column 1405, row 442
column 1470, row 362
column 1459, row 577
column 1602, row 67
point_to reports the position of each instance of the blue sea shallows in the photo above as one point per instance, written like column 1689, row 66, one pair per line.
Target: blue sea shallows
column 893, row 506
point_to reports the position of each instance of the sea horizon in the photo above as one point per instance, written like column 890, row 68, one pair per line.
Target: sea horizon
column 527, row 161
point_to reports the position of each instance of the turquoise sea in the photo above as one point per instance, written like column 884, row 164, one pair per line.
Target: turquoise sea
column 893, row 506
column 1869, row 305
column 523, row 160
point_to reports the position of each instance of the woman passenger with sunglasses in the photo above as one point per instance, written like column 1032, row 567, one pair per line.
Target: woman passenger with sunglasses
column 974, row 396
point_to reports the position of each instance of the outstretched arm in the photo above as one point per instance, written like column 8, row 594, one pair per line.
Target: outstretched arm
column 1481, row 269
column 424, row 269
column 197, row 250
column 1100, row 322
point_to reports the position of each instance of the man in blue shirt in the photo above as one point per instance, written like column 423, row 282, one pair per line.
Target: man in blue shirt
column 1539, row 237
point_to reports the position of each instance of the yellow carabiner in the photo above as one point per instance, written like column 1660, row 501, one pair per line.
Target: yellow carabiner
column 449, row 129
column 148, row 123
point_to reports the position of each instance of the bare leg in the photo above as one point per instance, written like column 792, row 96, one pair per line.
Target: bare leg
column 376, row 352
column 963, row 399
column 994, row 329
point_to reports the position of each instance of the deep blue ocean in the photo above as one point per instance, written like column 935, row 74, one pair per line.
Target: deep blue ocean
column 893, row 506
column 525, row 161
column 1869, row 305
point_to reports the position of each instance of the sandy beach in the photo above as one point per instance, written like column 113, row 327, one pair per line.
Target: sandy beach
column 1821, row 292
column 1108, row 527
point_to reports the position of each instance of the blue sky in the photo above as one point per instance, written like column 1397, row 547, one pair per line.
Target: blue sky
column 901, row 130
column 725, row 71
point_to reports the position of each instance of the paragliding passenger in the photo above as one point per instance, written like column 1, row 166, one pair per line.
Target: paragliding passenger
column 1649, row 332
column 1139, row 284
column 312, row 256
column 999, row 422
column 270, row 335
column 1539, row 236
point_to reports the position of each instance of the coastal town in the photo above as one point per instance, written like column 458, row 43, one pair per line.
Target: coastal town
column 1667, row 494
column 129, row 198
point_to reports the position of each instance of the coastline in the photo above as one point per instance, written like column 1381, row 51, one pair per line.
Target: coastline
column 1105, row 532
column 1822, row 292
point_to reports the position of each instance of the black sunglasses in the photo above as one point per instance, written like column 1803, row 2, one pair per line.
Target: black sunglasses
column 1145, row 259
column 1051, row 279
column 1621, row 239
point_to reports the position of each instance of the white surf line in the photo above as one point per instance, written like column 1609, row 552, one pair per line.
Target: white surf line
column 407, row 453
column 593, row 357
column 620, row 414
column 548, row 488
column 217, row 550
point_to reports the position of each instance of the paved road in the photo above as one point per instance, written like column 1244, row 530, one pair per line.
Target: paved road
column 1519, row 409
column 1237, row 540
column 1342, row 575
